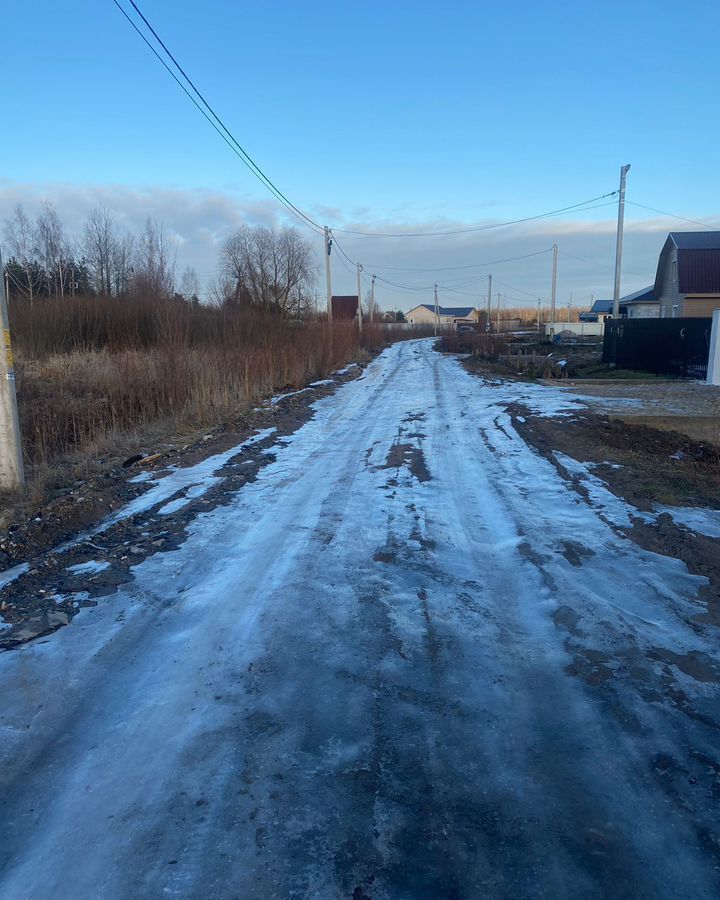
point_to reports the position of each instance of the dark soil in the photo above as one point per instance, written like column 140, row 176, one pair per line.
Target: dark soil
column 656, row 467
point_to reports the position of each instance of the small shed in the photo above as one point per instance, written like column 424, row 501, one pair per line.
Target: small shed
column 344, row 307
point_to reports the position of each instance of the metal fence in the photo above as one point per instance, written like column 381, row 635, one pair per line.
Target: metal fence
column 664, row 346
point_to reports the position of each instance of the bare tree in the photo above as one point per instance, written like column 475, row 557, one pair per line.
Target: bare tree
column 155, row 268
column 20, row 237
column 53, row 249
column 268, row 267
column 123, row 262
column 98, row 245
column 190, row 285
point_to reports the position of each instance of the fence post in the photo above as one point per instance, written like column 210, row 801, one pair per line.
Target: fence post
column 713, row 369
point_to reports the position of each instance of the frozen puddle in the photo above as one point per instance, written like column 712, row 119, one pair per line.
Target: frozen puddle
column 88, row 567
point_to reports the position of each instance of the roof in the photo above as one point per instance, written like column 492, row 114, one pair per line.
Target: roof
column 696, row 240
column 646, row 295
column 458, row 312
column 698, row 255
column 602, row 306
column 344, row 306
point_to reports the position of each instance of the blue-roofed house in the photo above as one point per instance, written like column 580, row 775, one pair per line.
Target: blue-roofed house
column 687, row 283
column 643, row 304
column 447, row 315
column 598, row 312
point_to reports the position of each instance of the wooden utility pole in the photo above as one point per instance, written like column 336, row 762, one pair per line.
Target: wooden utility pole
column 437, row 311
column 359, row 289
column 12, row 473
column 489, row 323
column 553, row 293
column 372, row 300
column 328, row 271
column 619, row 241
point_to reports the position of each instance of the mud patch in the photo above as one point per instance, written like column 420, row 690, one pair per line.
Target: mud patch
column 409, row 456
column 701, row 555
column 574, row 553
column 697, row 665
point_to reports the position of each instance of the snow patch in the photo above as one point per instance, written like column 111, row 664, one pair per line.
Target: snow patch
column 11, row 574
column 704, row 521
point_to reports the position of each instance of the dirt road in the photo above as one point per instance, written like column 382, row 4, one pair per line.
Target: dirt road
column 413, row 659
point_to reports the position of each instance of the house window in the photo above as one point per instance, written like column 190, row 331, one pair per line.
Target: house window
column 674, row 271
column 675, row 310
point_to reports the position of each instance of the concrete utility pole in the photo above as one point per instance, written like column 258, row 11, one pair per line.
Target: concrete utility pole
column 619, row 243
column 538, row 322
column 359, row 286
column 437, row 312
column 553, row 293
column 489, row 323
column 328, row 272
column 12, row 474
column 372, row 300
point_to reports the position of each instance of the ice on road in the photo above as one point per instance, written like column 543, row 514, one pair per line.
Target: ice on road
column 411, row 660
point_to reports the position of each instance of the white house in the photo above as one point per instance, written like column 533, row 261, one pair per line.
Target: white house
column 447, row 315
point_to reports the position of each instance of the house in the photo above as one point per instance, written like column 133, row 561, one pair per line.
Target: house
column 598, row 312
column 687, row 282
column 447, row 315
column 642, row 304
column 344, row 307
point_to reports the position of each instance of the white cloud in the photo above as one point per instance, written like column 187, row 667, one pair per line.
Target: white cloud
column 201, row 219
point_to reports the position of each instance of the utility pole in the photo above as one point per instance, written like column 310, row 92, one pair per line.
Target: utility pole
column 498, row 313
column 489, row 323
column 12, row 474
column 437, row 313
column 619, row 243
column 553, row 293
column 538, row 322
column 570, row 306
column 372, row 300
column 328, row 271
column 359, row 287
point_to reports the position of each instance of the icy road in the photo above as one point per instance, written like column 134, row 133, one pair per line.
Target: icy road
column 413, row 659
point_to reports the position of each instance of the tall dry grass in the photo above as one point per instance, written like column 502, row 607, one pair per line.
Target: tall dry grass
column 91, row 366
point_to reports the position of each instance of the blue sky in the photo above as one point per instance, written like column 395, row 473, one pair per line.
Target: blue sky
column 374, row 114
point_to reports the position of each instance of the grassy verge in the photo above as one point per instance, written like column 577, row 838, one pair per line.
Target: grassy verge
column 97, row 374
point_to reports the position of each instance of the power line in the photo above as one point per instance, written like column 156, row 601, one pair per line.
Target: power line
column 475, row 228
column 228, row 136
column 594, row 262
column 482, row 265
column 674, row 216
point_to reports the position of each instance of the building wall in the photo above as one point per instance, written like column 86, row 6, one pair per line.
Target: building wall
column 701, row 306
column 643, row 310
column 420, row 316
column 669, row 293
column 423, row 316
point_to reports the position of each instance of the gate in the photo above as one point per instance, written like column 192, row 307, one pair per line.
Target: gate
column 665, row 346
